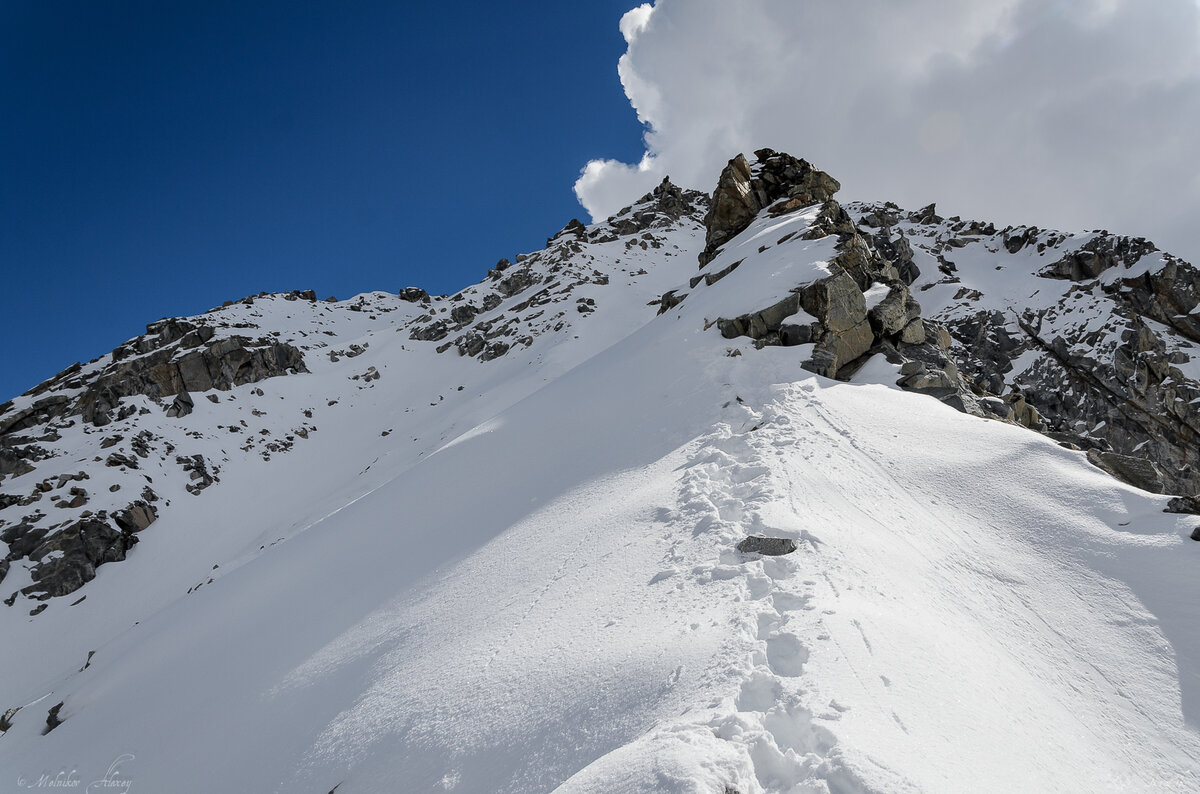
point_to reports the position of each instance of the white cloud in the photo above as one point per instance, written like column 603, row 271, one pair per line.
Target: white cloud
column 1072, row 113
column 635, row 20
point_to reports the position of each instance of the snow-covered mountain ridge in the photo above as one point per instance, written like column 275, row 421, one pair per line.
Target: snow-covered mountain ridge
column 489, row 541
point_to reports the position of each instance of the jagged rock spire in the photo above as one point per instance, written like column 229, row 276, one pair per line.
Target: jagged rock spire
column 744, row 189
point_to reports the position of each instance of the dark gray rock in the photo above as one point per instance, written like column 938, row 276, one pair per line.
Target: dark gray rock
column 516, row 282
column 67, row 558
column 1101, row 254
column 13, row 462
column 1108, row 376
column 136, row 517
column 150, row 365
column 24, row 537
column 894, row 313
column 116, row 459
column 575, row 228
column 463, row 314
column 198, row 473
column 771, row 547
column 52, row 719
column 836, row 301
column 79, row 498
column 434, row 332
column 672, row 298
column 1183, row 504
column 1138, row 472
column 182, row 406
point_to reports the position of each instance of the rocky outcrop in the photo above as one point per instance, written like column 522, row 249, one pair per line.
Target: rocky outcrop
column 838, row 323
column 173, row 358
column 135, row 517
column 52, row 718
column 66, row 556
column 831, row 313
column 170, row 364
column 1098, row 255
column 744, row 190
column 1099, row 358
column 661, row 208
column 414, row 295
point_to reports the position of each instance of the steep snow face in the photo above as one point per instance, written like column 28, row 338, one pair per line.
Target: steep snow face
column 531, row 583
column 374, row 374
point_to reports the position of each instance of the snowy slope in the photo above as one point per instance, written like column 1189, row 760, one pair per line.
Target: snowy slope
column 530, row 584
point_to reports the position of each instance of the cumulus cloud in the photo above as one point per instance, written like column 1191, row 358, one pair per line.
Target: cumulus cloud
column 1077, row 114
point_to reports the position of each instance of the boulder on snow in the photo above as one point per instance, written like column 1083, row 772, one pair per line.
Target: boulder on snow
column 1183, row 504
column 136, row 517
column 52, row 718
column 770, row 547
column 1138, row 472
column 182, row 406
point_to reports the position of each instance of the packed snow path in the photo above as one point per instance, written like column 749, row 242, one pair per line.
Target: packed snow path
column 958, row 619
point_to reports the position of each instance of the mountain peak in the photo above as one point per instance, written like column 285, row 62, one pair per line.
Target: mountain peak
column 744, row 189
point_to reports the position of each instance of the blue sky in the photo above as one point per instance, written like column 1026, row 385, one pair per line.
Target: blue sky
column 159, row 158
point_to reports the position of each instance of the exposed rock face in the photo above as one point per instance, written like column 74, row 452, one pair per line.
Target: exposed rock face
column 172, row 361
column 182, row 406
column 414, row 295
column 135, row 517
column 1136, row 471
column 1100, row 345
column 842, row 332
column 836, row 318
column 68, row 558
column 1101, row 254
column 197, row 468
column 1111, row 378
column 879, row 252
column 156, row 365
column 743, row 191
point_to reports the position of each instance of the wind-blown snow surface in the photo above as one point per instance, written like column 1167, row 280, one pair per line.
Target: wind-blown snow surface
column 531, row 585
